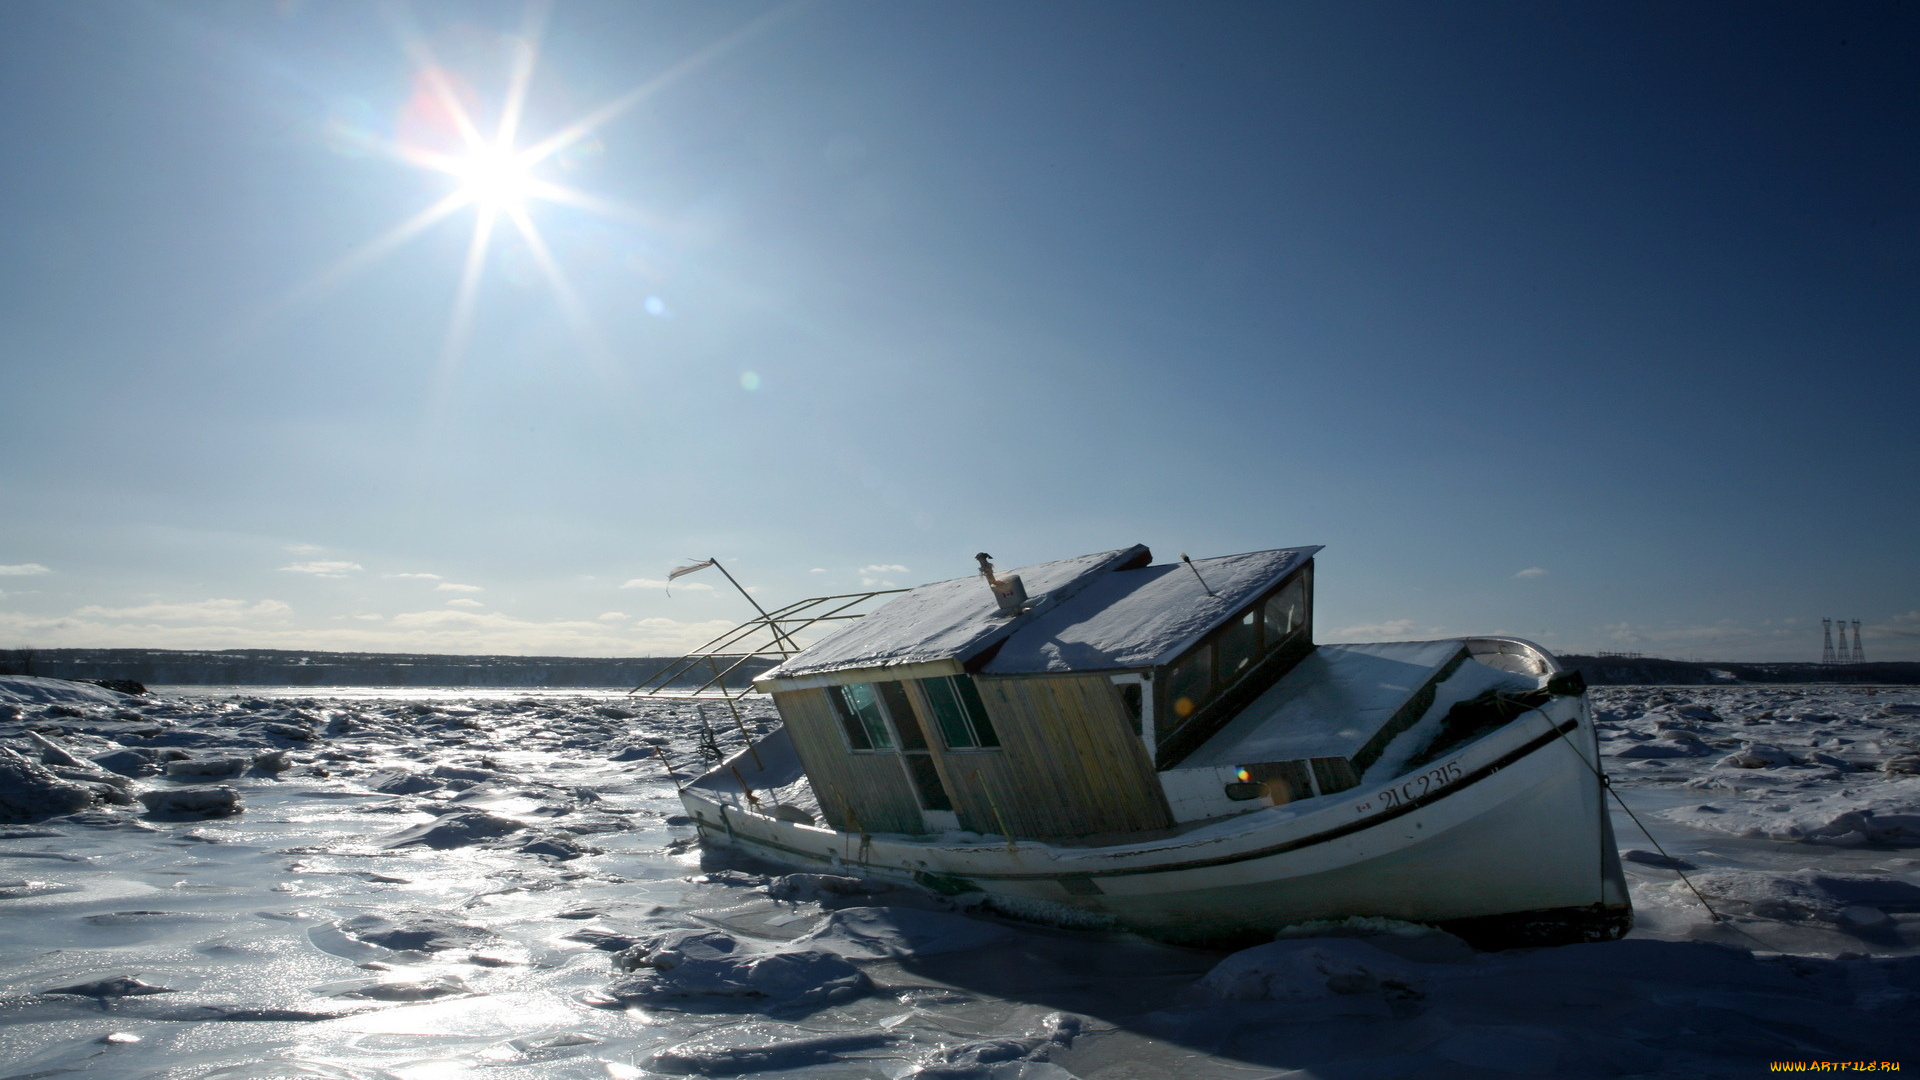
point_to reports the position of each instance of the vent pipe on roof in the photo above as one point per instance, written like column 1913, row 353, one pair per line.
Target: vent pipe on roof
column 1008, row 592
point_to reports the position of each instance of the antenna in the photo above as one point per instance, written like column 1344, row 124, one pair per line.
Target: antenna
column 1859, row 654
column 1826, row 645
column 1196, row 573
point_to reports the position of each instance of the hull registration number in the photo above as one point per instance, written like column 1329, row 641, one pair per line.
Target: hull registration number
column 1412, row 788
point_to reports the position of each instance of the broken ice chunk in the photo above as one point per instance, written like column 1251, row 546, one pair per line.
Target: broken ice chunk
column 710, row 971
column 192, row 802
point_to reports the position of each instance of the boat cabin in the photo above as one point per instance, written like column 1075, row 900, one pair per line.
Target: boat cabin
column 1065, row 699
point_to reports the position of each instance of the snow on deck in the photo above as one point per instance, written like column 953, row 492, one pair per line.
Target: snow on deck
column 1329, row 705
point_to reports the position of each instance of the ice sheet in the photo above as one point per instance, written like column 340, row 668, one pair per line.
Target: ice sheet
column 293, row 939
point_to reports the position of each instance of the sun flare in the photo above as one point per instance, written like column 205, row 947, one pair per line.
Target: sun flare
column 443, row 128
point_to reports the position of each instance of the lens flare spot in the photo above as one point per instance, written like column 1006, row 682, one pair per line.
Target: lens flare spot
column 353, row 129
column 580, row 153
column 749, row 380
column 1244, row 776
column 656, row 307
column 1183, row 707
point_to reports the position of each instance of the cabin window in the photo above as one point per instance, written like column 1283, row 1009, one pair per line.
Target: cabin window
column 1238, row 645
column 1231, row 652
column 1132, row 700
column 1284, row 611
column 961, row 714
column 859, row 709
column 1190, row 683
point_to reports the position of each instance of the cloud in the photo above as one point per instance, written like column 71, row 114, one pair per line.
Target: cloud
column 370, row 618
column 1724, row 631
column 429, row 577
column 330, row 568
column 818, row 570
column 304, row 549
column 1532, row 572
column 889, row 569
column 612, row 616
column 653, row 583
column 1902, row 626
column 1390, row 630
column 463, row 602
column 448, row 586
column 443, row 631
column 877, row 583
column 24, row 569
column 219, row 611
column 1397, row 626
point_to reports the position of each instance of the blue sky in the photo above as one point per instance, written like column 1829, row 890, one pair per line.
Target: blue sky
column 1589, row 323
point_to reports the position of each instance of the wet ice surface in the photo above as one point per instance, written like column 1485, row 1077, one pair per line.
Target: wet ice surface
column 500, row 884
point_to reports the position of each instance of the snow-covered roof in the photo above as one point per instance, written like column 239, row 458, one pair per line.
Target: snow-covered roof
column 1085, row 614
column 949, row 620
column 1145, row 617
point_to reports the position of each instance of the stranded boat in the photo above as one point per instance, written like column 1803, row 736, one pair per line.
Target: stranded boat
column 1104, row 741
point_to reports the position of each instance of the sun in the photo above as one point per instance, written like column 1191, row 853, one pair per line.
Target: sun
column 495, row 175
column 495, row 179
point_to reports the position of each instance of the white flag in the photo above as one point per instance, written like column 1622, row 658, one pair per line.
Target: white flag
column 680, row 571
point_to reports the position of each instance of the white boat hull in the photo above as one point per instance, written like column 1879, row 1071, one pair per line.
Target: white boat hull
column 1505, row 841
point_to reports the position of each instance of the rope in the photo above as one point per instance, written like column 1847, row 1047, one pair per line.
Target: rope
column 1607, row 783
column 1672, row 863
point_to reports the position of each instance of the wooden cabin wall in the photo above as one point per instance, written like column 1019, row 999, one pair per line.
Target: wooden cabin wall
column 875, row 784
column 1070, row 763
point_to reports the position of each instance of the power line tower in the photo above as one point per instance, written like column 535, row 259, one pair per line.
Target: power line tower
column 1859, row 654
column 1826, row 645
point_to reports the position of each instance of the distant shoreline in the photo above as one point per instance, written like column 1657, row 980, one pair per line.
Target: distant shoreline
column 318, row 669
column 1654, row 671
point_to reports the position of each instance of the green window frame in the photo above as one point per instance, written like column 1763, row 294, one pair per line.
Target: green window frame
column 959, row 712
column 858, row 706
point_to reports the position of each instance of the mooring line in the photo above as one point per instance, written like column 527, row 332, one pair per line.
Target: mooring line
column 1607, row 783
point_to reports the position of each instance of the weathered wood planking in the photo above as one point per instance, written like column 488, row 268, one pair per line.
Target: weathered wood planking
column 1070, row 763
column 874, row 783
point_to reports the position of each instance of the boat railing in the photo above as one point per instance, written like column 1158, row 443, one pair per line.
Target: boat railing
column 729, row 662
